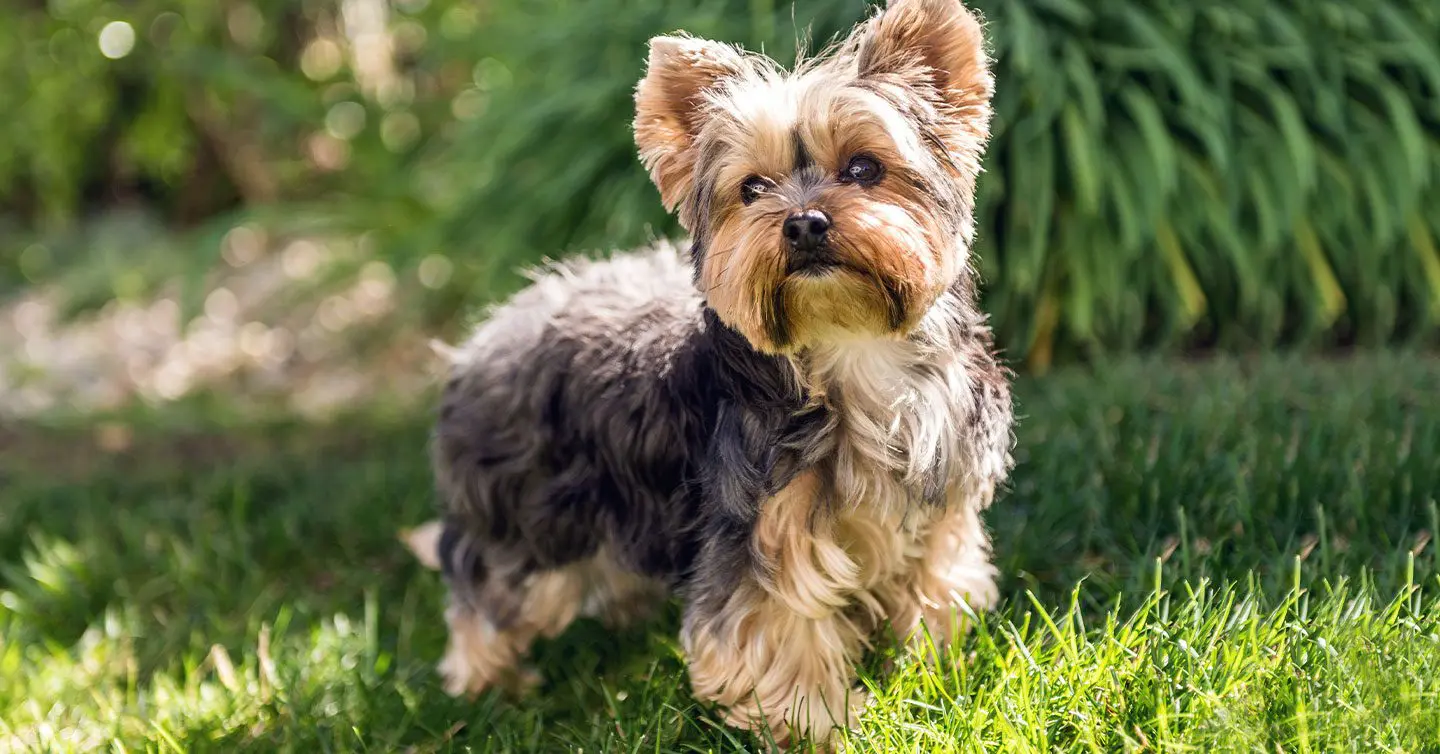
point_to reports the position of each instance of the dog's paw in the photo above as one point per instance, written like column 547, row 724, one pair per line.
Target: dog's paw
column 462, row 681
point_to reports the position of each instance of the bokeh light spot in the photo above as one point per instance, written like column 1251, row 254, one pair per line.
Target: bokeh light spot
column 490, row 74
column 345, row 120
column 34, row 262
column 117, row 39
column 435, row 271
column 410, row 36
column 327, row 152
column 399, row 131
column 321, row 60
column 301, row 259
column 469, row 104
column 242, row 245
column 221, row 305
column 246, row 24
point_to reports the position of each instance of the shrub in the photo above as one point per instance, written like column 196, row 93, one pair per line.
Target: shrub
column 1240, row 173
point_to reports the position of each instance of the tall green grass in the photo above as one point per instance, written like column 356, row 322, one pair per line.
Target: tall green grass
column 1242, row 173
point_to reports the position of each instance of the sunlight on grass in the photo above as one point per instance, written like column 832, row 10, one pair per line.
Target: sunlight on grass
column 1226, row 556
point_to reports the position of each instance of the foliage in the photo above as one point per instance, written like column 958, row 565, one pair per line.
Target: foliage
column 147, row 101
column 1244, row 172
column 1219, row 558
column 1241, row 173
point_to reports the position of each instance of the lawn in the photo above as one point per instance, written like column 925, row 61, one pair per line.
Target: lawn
column 1221, row 555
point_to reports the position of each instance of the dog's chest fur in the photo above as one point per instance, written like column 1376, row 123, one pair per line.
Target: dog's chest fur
column 901, row 412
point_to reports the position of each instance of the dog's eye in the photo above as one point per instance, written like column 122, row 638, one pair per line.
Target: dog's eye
column 752, row 188
column 862, row 170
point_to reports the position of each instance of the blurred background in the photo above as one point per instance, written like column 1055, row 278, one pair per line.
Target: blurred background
column 287, row 198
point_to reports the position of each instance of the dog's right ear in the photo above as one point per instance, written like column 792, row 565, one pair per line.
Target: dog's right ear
column 670, row 107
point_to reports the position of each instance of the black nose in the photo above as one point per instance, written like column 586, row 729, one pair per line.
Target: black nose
column 806, row 230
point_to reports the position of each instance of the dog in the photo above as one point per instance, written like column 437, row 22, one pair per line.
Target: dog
column 793, row 422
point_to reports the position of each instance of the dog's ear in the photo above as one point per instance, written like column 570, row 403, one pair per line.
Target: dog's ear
column 670, row 107
column 936, row 45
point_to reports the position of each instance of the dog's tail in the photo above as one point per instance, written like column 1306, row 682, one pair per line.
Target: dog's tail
column 424, row 542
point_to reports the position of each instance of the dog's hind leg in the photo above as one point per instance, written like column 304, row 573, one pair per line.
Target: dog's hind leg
column 618, row 596
column 495, row 614
column 492, row 627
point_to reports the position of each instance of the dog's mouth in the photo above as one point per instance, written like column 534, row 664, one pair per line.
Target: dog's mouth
column 813, row 269
column 813, row 262
column 830, row 293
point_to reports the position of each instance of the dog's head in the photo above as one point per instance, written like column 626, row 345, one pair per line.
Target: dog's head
column 829, row 202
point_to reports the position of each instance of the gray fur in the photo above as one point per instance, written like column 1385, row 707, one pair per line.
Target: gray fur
column 594, row 408
column 604, row 406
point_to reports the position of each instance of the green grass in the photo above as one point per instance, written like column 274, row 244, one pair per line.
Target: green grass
column 1196, row 557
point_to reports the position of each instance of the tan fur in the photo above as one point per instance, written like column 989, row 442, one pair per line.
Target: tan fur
column 931, row 597
column 808, row 570
column 668, row 107
column 782, row 655
column 879, row 233
column 739, row 274
column 844, row 552
column 783, row 652
column 928, row 39
column 423, row 542
column 702, row 96
column 770, row 667
column 480, row 656
column 847, row 556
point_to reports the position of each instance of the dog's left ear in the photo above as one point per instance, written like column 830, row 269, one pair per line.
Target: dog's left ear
column 935, row 44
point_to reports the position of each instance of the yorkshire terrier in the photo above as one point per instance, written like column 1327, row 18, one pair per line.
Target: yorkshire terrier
column 795, row 425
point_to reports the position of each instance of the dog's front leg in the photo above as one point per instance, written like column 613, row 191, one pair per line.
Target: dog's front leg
column 778, row 650
column 771, row 669
column 928, row 605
